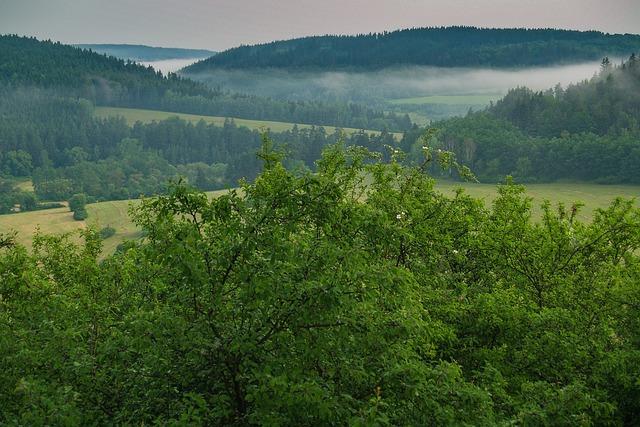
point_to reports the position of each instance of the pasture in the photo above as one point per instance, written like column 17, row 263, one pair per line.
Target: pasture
column 133, row 115
column 116, row 213
column 593, row 196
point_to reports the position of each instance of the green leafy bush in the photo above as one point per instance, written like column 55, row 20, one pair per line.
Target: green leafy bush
column 80, row 214
column 107, row 232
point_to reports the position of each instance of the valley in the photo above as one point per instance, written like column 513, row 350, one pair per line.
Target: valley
column 319, row 239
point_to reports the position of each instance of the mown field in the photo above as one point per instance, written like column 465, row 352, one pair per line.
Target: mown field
column 448, row 100
column 593, row 196
column 115, row 213
column 133, row 115
column 60, row 221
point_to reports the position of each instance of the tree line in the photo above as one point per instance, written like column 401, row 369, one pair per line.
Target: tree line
column 437, row 46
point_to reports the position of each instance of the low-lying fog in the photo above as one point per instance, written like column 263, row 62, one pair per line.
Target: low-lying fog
column 393, row 83
column 170, row 65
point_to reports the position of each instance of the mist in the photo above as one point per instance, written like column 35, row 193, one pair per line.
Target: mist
column 389, row 84
column 170, row 65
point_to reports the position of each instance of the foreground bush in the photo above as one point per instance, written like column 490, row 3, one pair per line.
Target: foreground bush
column 318, row 300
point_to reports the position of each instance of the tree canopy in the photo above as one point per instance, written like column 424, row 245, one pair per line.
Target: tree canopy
column 329, row 298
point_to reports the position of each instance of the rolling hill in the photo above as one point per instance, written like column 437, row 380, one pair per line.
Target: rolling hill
column 134, row 115
column 442, row 47
column 68, row 71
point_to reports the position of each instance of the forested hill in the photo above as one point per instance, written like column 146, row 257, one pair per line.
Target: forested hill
column 608, row 103
column 586, row 132
column 73, row 72
column 446, row 47
column 29, row 62
column 146, row 53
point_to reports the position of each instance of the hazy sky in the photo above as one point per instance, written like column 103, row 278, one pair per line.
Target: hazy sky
column 220, row 24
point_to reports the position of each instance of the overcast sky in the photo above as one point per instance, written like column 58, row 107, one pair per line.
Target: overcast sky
column 220, row 24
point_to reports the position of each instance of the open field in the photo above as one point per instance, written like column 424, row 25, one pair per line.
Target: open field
column 58, row 221
column 24, row 184
column 115, row 213
column 593, row 196
column 449, row 100
column 133, row 115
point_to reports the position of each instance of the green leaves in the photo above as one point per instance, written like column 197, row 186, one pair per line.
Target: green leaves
column 354, row 295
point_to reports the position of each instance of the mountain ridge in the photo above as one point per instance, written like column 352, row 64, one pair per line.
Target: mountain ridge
column 429, row 46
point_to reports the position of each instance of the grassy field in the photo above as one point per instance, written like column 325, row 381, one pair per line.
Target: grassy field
column 24, row 184
column 593, row 196
column 449, row 100
column 59, row 221
column 115, row 214
column 133, row 115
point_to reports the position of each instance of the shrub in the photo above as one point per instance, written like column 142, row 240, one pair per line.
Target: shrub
column 107, row 232
column 80, row 214
column 77, row 202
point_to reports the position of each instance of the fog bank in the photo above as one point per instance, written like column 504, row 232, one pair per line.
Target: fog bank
column 170, row 65
column 392, row 83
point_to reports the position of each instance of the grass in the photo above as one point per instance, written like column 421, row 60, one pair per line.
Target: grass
column 59, row 221
column 115, row 213
column 24, row 184
column 49, row 221
column 449, row 99
column 133, row 115
column 593, row 196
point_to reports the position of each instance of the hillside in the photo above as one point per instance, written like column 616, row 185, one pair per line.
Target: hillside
column 442, row 47
column 72, row 72
column 607, row 103
column 135, row 52
column 30, row 62
column 586, row 132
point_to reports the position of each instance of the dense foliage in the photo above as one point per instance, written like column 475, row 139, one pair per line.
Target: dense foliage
column 71, row 72
column 609, row 103
column 445, row 47
column 65, row 149
column 11, row 197
column 322, row 299
column 587, row 132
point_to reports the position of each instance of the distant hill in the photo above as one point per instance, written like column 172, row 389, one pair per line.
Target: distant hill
column 608, row 103
column 588, row 131
column 75, row 72
column 146, row 53
column 445, row 47
column 68, row 71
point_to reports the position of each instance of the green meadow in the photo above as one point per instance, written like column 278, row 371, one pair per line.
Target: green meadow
column 133, row 115
column 115, row 213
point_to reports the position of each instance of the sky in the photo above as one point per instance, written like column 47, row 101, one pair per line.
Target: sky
column 221, row 24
